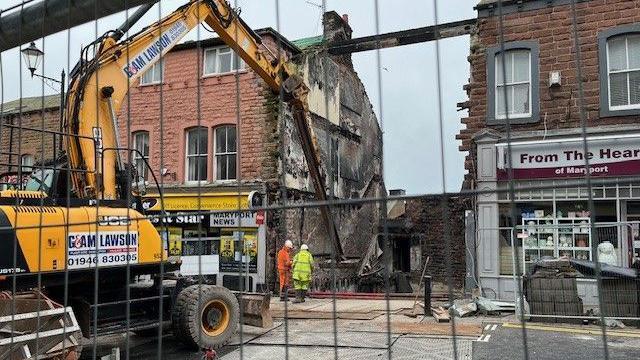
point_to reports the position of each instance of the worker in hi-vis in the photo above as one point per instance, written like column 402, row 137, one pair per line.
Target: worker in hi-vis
column 302, row 269
column 284, row 269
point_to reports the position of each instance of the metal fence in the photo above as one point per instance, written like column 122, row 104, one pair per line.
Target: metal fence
column 591, row 277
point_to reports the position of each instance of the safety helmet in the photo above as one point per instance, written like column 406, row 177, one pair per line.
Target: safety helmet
column 304, row 247
column 288, row 244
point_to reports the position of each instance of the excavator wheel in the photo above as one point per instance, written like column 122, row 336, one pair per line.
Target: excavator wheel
column 205, row 316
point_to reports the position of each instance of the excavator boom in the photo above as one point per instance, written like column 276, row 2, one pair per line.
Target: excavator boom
column 48, row 239
column 100, row 85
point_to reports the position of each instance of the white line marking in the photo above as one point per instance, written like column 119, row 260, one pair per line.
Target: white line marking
column 494, row 327
column 487, row 326
column 483, row 338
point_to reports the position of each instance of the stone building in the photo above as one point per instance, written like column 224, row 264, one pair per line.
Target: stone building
column 535, row 84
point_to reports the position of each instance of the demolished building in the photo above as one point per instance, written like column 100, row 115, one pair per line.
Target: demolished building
column 270, row 158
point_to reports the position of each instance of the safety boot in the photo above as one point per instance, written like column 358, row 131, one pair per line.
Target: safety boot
column 299, row 298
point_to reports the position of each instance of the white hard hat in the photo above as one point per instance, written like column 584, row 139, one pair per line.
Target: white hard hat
column 304, row 247
column 288, row 244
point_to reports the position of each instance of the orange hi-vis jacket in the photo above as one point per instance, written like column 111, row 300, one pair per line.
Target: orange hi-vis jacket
column 284, row 267
column 284, row 260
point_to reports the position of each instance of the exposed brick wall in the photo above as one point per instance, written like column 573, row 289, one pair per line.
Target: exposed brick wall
column 551, row 27
column 426, row 222
column 26, row 141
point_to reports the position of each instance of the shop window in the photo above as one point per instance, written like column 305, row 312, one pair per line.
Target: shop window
column 141, row 145
column 154, row 74
column 196, row 155
column 619, row 56
column 239, row 250
column 226, row 152
column 26, row 162
column 221, row 60
column 513, row 83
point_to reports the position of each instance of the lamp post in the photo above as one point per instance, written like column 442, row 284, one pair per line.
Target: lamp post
column 32, row 57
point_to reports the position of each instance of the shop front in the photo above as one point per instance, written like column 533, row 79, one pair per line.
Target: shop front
column 552, row 214
column 212, row 237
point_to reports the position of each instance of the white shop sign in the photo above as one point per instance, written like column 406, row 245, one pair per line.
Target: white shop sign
column 231, row 219
column 607, row 156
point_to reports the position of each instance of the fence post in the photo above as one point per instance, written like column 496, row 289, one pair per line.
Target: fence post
column 427, row 295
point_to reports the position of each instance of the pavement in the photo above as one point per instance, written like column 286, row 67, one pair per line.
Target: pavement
column 364, row 329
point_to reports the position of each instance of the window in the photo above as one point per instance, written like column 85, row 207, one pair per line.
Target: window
column 221, row 60
column 513, row 83
column 26, row 161
column 226, row 149
column 196, row 153
column 141, row 144
column 619, row 57
column 623, row 68
column 154, row 74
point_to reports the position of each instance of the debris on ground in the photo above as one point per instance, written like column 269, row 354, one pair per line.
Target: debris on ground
column 613, row 323
column 440, row 314
column 488, row 306
column 326, row 315
column 417, row 310
column 464, row 307
column 461, row 329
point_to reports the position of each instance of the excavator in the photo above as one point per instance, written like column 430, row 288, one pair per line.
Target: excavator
column 76, row 234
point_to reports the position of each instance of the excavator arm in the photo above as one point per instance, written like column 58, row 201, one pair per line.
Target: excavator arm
column 99, row 86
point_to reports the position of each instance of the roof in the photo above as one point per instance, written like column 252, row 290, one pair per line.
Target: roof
column 214, row 41
column 308, row 42
column 31, row 104
column 484, row 4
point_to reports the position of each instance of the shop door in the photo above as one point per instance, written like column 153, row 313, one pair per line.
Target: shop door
column 633, row 229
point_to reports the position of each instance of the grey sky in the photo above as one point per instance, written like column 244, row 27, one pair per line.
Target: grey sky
column 409, row 84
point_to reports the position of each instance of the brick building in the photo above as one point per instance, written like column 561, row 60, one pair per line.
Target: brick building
column 22, row 143
column 205, row 136
column 223, row 137
column 535, row 83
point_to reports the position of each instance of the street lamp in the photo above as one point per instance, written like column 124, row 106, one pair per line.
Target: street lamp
column 32, row 57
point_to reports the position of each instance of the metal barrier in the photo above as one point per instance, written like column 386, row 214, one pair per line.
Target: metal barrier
column 190, row 177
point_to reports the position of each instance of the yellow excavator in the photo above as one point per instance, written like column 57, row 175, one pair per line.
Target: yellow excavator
column 76, row 232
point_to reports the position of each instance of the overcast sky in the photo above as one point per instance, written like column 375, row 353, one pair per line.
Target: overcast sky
column 409, row 85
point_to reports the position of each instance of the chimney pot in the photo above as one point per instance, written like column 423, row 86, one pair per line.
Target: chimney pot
column 345, row 18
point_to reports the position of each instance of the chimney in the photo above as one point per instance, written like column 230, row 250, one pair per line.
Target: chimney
column 336, row 29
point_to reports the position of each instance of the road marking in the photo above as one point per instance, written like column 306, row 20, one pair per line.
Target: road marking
column 483, row 338
column 575, row 331
column 490, row 327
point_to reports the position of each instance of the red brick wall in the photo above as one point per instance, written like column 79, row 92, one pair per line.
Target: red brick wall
column 31, row 142
column 217, row 106
column 428, row 226
column 551, row 27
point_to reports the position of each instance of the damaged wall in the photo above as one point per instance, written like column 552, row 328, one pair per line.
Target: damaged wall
column 349, row 140
column 426, row 224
